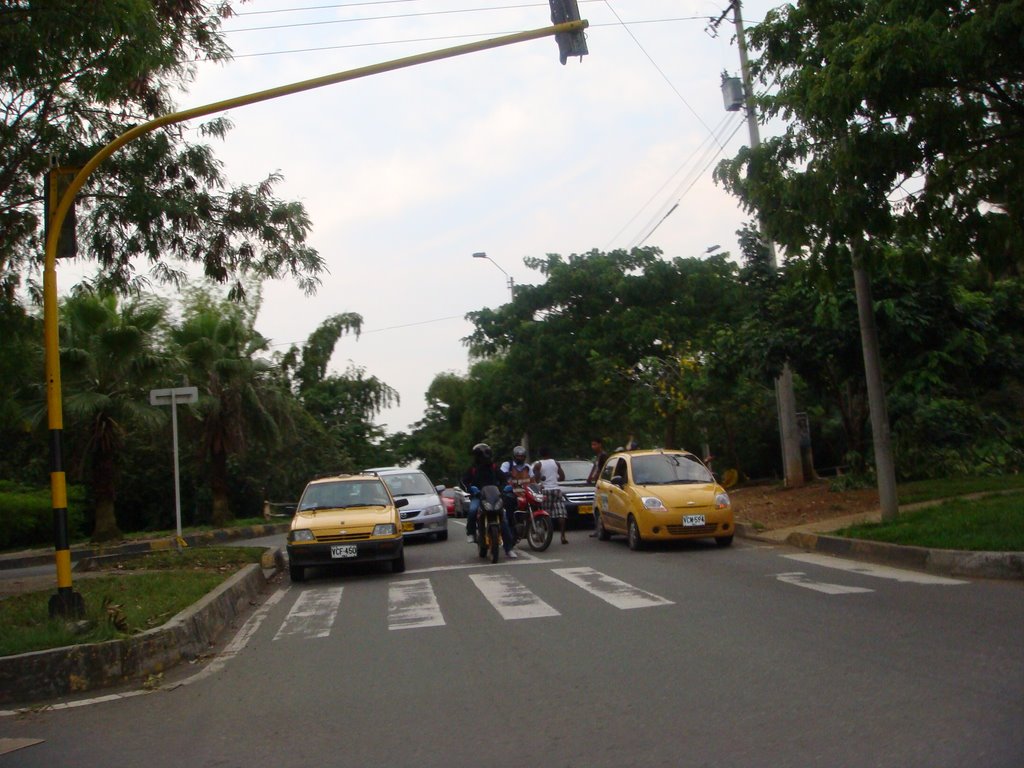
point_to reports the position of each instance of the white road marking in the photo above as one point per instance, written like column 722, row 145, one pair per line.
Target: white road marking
column 413, row 604
column 878, row 571
column 510, row 598
column 800, row 580
column 312, row 615
column 612, row 591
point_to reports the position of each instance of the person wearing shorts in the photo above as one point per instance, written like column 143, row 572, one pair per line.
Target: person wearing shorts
column 549, row 474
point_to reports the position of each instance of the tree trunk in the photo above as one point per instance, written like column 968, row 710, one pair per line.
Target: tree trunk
column 104, row 490
column 220, row 515
column 884, row 465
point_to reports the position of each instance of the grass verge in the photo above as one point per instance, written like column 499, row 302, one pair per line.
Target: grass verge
column 989, row 524
column 129, row 596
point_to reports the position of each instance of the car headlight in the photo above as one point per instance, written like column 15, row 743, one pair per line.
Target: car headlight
column 435, row 509
column 301, row 534
column 384, row 529
column 653, row 503
column 722, row 500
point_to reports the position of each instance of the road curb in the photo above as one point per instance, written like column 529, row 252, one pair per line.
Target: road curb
column 58, row 672
column 945, row 562
column 90, row 552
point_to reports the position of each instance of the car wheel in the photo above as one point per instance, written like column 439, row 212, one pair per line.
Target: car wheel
column 442, row 536
column 723, row 541
column 602, row 532
column 398, row 564
column 297, row 572
column 633, row 535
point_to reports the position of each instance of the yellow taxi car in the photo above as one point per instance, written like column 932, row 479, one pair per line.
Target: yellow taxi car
column 345, row 519
column 661, row 495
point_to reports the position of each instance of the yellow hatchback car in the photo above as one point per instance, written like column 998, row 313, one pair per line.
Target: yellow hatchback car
column 661, row 495
column 345, row 519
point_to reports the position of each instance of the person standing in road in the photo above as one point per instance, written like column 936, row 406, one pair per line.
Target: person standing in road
column 549, row 474
column 600, row 457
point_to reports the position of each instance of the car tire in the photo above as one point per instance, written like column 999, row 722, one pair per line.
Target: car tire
column 442, row 536
column 297, row 572
column 602, row 532
column 633, row 535
column 723, row 541
column 398, row 564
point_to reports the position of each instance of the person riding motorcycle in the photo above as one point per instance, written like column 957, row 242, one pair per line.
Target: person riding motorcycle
column 483, row 472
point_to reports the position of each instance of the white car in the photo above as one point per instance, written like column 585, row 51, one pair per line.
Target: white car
column 424, row 515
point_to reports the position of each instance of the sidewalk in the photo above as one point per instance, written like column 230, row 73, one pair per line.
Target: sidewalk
column 814, row 537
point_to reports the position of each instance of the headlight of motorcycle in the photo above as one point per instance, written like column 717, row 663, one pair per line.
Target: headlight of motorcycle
column 384, row 529
column 653, row 503
column 722, row 500
column 301, row 534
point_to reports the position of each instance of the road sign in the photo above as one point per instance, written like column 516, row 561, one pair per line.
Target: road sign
column 172, row 397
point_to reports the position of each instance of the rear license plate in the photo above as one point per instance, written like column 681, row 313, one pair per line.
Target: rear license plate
column 344, row 550
column 693, row 520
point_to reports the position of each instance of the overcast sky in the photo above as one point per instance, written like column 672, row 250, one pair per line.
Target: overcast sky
column 406, row 174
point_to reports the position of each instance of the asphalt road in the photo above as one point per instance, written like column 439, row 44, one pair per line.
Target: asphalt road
column 585, row 655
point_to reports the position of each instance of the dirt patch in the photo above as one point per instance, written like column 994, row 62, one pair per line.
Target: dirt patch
column 775, row 506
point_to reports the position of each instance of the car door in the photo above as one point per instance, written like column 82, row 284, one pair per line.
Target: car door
column 612, row 498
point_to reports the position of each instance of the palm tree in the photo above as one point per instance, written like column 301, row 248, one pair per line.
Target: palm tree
column 240, row 394
column 110, row 358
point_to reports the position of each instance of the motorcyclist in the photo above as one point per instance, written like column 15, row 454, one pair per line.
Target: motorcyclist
column 518, row 473
column 483, row 472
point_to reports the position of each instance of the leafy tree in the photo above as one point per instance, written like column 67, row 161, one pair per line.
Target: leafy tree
column 111, row 357
column 241, row 396
column 21, row 366
column 76, row 74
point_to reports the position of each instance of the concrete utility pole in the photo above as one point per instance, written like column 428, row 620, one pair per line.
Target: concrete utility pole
column 785, row 399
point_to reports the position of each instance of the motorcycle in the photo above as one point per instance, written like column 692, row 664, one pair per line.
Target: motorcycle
column 532, row 522
column 488, row 522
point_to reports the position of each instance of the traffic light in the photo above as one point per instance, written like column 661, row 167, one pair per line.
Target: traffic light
column 569, row 43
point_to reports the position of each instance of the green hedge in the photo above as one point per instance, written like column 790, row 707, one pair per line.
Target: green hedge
column 26, row 515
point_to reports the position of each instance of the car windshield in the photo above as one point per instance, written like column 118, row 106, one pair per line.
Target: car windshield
column 409, row 484
column 668, row 468
column 356, row 493
column 576, row 471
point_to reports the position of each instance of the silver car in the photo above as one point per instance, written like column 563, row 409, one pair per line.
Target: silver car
column 424, row 516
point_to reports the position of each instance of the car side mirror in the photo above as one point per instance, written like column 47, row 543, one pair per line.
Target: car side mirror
column 438, row 488
column 618, row 481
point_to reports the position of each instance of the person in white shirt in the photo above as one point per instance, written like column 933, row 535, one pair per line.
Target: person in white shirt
column 549, row 474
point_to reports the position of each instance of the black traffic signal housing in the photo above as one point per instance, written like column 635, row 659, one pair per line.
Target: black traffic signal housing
column 569, row 43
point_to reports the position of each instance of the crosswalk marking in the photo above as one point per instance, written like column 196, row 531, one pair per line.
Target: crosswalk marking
column 878, row 571
column 312, row 615
column 800, row 580
column 413, row 604
column 612, row 591
column 510, row 598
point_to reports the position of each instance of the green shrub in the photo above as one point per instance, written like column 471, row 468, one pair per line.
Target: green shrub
column 26, row 515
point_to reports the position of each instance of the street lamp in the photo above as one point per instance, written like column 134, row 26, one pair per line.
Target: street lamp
column 511, row 282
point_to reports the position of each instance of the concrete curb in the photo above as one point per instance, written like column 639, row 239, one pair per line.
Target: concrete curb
column 945, row 562
column 204, row 538
column 73, row 669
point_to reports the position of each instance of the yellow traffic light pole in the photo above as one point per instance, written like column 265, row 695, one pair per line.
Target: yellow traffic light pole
column 67, row 602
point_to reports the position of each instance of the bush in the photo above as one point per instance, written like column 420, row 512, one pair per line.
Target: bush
column 26, row 515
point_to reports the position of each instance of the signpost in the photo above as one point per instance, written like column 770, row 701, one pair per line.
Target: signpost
column 172, row 397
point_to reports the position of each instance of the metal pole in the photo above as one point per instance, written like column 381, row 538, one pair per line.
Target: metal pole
column 785, row 398
column 177, row 482
column 66, row 600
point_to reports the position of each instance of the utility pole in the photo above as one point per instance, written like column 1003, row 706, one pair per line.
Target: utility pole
column 785, row 398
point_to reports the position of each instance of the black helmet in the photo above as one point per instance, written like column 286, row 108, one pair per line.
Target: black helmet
column 519, row 453
column 482, row 452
